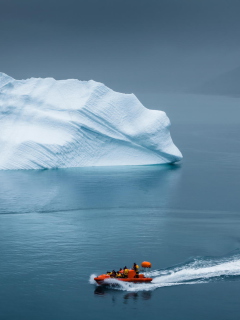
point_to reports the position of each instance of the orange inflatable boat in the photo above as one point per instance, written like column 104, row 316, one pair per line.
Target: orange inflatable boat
column 131, row 277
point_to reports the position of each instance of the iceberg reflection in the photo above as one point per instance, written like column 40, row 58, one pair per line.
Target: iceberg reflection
column 87, row 188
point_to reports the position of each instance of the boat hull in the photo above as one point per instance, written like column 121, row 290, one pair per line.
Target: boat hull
column 102, row 280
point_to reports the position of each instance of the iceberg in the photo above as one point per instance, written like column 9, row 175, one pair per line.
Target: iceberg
column 48, row 123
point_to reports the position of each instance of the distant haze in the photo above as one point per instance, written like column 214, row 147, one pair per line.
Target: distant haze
column 131, row 46
column 227, row 83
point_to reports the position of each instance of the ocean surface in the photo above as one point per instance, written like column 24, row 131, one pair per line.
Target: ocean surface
column 59, row 228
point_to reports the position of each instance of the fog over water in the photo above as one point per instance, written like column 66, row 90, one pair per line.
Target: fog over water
column 131, row 46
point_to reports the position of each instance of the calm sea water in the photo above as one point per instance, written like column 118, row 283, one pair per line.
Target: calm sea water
column 60, row 227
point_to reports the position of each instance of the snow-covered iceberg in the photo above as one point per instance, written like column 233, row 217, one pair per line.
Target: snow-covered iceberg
column 45, row 123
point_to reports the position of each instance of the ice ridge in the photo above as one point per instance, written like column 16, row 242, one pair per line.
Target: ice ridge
column 48, row 123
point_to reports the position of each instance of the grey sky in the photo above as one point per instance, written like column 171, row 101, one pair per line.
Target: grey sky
column 131, row 46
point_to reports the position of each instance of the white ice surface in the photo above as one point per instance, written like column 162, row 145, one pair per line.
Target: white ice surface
column 45, row 123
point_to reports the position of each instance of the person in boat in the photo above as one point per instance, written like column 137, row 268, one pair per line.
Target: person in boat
column 120, row 273
column 125, row 272
column 113, row 274
column 136, row 269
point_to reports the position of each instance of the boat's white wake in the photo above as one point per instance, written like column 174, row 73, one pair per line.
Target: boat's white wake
column 197, row 271
column 91, row 279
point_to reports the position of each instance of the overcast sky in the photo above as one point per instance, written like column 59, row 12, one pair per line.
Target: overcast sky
column 131, row 46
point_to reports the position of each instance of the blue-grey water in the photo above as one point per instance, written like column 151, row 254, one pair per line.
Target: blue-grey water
column 60, row 227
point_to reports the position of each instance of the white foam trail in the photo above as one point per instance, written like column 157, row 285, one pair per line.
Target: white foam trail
column 197, row 271
column 91, row 279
